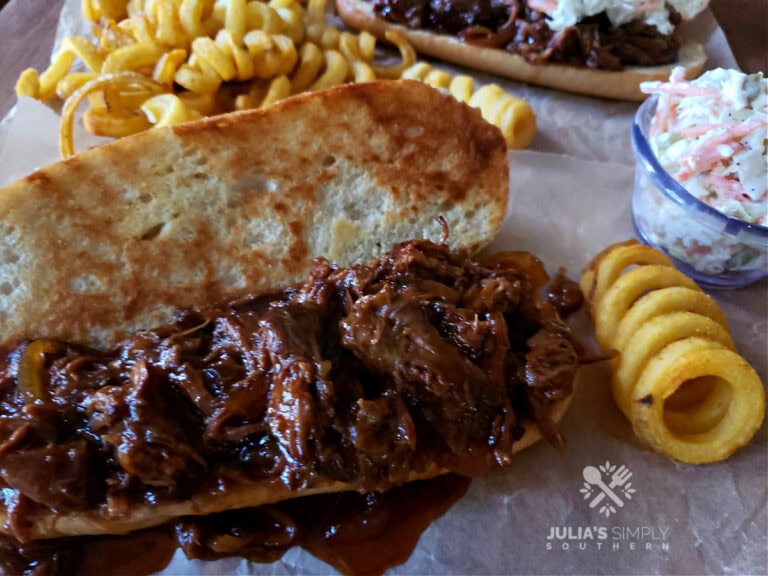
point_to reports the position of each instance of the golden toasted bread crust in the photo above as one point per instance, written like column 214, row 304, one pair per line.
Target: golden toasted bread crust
column 619, row 85
column 114, row 239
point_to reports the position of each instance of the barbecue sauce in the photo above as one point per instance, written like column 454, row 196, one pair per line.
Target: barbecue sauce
column 138, row 554
column 353, row 532
column 359, row 375
column 368, row 536
column 515, row 26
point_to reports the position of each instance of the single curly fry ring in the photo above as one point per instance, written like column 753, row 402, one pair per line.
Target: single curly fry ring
column 66, row 143
column 655, row 335
column 617, row 299
column 616, row 261
column 739, row 388
column 587, row 280
column 664, row 301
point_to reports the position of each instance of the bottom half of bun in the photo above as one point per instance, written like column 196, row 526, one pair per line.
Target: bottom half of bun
column 417, row 364
column 46, row 524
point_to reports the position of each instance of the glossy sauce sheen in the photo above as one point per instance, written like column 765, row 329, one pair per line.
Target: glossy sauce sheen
column 138, row 554
column 365, row 376
column 386, row 536
column 516, row 27
column 355, row 533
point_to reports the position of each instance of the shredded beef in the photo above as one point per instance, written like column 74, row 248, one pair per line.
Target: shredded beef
column 361, row 374
column 513, row 25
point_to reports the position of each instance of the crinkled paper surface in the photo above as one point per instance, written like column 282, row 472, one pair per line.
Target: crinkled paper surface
column 570, row 197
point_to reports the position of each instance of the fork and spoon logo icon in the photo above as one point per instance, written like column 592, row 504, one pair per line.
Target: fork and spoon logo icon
column 596, row 490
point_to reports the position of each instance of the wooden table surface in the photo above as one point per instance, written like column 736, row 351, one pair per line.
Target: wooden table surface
column 28, row 27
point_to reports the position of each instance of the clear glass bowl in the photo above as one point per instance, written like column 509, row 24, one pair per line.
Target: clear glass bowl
column 710, row 247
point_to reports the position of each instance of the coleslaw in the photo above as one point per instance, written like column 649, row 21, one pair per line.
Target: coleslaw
column 565, row 13
column 710, row 135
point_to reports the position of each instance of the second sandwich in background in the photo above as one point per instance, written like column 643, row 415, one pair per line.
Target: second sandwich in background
column 603, row 48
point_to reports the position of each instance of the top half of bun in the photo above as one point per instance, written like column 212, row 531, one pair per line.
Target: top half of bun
column 116, row 238
column 620, row 85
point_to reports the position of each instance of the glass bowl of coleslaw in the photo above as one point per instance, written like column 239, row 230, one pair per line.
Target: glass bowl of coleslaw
column 701, row 182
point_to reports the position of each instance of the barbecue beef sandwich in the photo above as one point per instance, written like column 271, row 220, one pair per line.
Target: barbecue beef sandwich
column 600, row 48
column 266, row 305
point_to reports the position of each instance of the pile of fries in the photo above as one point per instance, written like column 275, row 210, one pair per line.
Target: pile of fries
column 164, row 62
column 677, row 376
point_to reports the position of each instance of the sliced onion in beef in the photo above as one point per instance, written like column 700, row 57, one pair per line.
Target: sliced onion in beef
column 482, row 36
column 31, row 378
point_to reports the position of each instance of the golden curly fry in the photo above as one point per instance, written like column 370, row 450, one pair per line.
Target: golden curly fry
column 665, row 301
column 612, row 263
column 617, row 299
column 652, row 338
column 168, row 110
column 513, row 116
column 239, row 53
column 677, row 376
column 130, row 79
column 695, row 406
column 407, row 56
column 28, row 83
column 739, row 397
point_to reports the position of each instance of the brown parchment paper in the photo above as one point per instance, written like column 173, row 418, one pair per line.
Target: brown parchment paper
column 570, row 197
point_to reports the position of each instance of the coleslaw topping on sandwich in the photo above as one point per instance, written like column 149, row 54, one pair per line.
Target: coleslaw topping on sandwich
column 564, row 13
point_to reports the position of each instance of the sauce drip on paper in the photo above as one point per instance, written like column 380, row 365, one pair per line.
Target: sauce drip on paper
column 370, row 539
column 355, row 533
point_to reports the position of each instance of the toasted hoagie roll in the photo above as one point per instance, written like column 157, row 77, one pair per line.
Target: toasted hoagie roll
column 116, row 238
column 267, row 305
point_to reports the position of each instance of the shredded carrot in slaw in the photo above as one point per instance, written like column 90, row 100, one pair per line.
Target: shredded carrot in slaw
column 711, row 135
